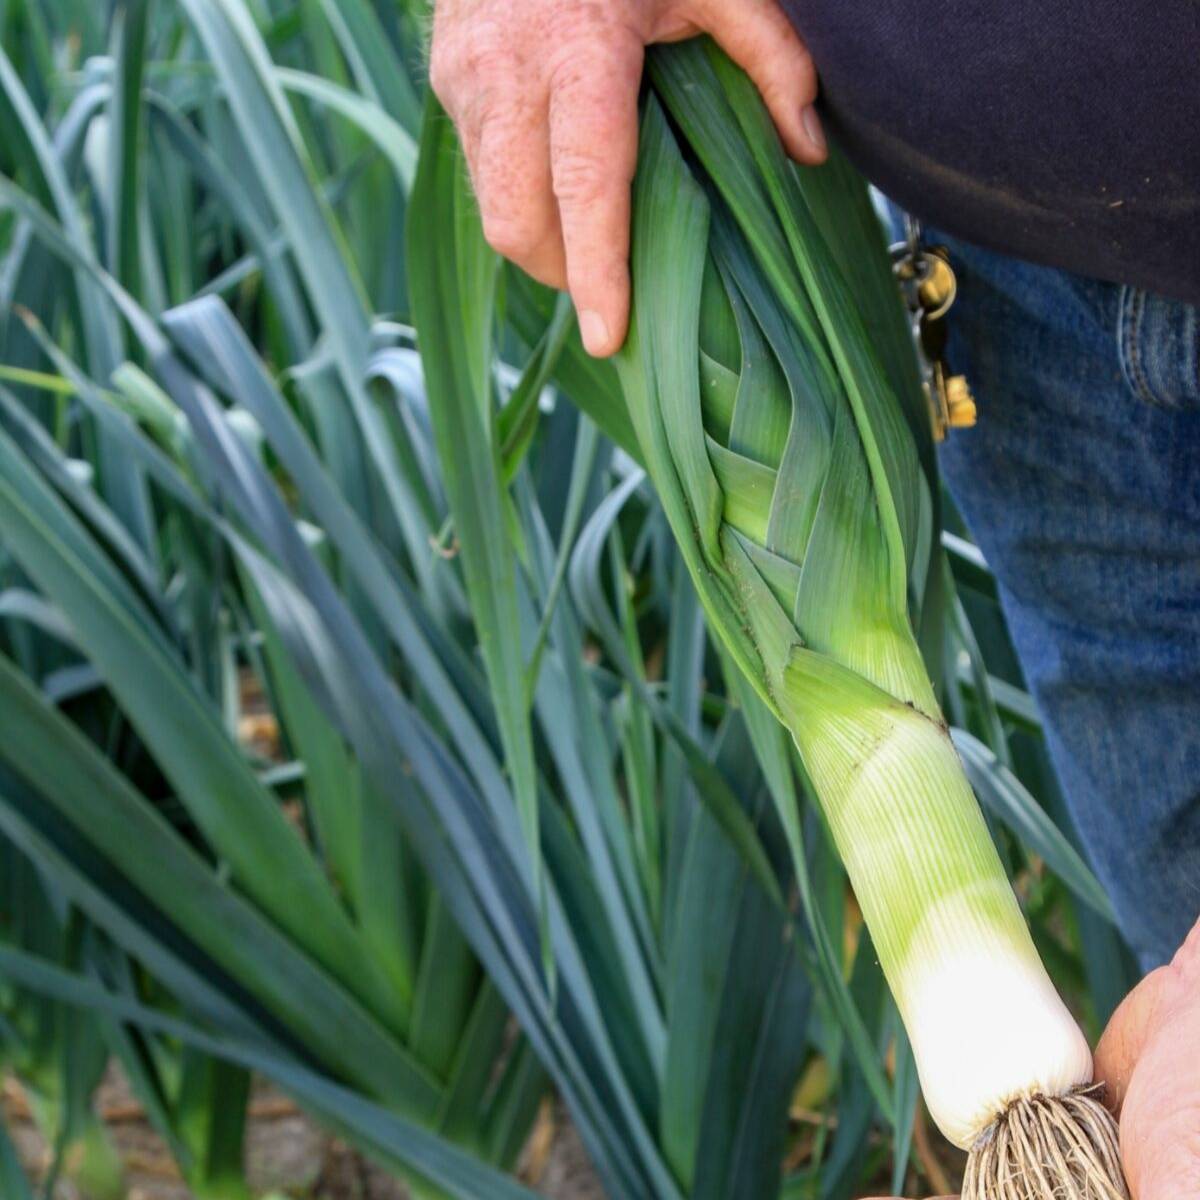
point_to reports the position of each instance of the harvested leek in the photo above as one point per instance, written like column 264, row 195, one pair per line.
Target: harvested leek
column 773, row 423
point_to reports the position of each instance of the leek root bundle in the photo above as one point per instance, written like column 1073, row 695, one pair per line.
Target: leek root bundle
column 780, row 428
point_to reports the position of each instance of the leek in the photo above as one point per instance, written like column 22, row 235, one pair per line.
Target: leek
column 781, row 426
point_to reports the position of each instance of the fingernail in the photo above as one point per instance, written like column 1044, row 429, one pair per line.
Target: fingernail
column 812, row 126
column 594, row 331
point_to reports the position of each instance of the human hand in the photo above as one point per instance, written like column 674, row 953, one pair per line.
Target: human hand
column 544, row 95
column 1149, row 1057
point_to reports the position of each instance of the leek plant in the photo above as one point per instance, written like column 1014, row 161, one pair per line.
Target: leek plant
column 789, row 471
column 57, row 1052
column 403, row 1033
column 271, row 916
column 524, row 775
column 675, row 1045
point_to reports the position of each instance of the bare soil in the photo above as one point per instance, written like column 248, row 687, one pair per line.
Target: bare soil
column 286, row 1152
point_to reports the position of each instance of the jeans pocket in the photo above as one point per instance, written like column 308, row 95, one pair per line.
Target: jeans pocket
column 1158, row 341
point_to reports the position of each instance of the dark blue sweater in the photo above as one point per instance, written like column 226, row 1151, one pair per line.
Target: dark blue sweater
column 1062, row 131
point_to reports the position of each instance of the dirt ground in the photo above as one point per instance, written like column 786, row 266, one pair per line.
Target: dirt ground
column 288, row 1154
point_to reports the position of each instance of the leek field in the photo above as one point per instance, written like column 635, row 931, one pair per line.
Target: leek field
column 362, row 729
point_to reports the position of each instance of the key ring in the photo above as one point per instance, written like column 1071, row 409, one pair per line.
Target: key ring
column 924, row 274
column 930, row 287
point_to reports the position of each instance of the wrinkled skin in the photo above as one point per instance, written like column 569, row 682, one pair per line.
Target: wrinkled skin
column 544, row 96
column 1150, row 1058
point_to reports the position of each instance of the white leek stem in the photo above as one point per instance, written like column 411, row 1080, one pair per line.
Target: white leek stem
column 985, row 1022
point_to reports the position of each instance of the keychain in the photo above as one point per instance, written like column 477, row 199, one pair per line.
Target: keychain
column 929, row 286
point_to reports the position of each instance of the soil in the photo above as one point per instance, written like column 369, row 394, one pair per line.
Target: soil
column 287, row 1153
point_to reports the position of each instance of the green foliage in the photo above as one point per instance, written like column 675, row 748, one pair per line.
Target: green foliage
column 516, row 785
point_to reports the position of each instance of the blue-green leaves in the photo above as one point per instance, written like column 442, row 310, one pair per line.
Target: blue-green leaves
column 453, row 288
column 512, row 732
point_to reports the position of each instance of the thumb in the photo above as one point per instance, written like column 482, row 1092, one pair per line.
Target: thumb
column 760, row 38
column 1125, row 1038
column 1150, row 1052
column 1141, row 1016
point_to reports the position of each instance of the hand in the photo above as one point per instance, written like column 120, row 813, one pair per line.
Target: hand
column 1149, row 1057
column 544, row 94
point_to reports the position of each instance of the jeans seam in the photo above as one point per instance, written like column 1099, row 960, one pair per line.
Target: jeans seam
column 1194, row 321
column 1141, row 381
column 1124, row 298
column 1129, row 348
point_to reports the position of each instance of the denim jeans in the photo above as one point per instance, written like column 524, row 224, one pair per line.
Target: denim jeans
column 1081, row 485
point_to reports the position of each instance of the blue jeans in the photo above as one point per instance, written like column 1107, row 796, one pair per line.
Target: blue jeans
column 1081, row 485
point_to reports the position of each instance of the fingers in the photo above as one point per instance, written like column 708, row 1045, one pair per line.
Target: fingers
column 548, row 124
column 593, row 153
column 1143, row 1013
column 477, row 71
column 545, row 100
column 1148, row 1056
column 510, row 171
column 758, row 36
column 1160, row 1119
column 1124, row 1039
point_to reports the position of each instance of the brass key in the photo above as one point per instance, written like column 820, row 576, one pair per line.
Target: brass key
column 930, row 287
